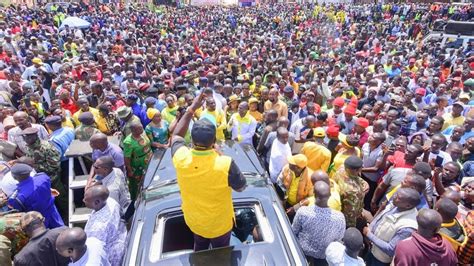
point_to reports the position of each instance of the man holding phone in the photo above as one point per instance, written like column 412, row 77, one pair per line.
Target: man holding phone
column 435, row 156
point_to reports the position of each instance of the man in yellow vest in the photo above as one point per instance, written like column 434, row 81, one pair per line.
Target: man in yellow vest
column 206, row 180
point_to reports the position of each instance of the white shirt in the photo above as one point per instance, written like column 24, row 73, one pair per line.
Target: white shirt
column 14, row 135
column 336, row 255
column 301, row 132
column 8, row 183
column 95, row 254
column 278, row 158
column 446, row 157
column 118, row 189
column 124, row 86
column 246, row 131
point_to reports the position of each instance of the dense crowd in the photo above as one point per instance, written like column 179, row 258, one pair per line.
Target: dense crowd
column 360, row 123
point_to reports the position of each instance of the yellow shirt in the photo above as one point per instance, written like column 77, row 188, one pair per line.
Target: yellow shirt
column 257, row 115
column 449, row 120
column 101, row 124
column 280, row 107
column 67, row 123
column 293, row 191
column 76, row 115
column 319, row 157
column 334, row 201
column 220, row 120
column 203, row 179
column 339, row 160
column 256, row 92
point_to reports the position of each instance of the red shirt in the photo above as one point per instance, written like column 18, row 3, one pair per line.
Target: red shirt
column 70, row 106
column 398, row 160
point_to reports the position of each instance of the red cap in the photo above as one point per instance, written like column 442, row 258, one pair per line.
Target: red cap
column 332, row 131
column 421, row 91
column 339, row 101
column 363, row 122
column 350, row 110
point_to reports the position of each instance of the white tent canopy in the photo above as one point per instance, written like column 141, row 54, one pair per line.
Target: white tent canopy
column 75, row 22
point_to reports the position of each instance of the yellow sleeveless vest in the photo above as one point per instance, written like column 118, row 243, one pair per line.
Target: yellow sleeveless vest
column 454, row 243
column 205, row 192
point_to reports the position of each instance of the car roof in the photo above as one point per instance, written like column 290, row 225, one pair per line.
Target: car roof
column 161, row 169
column 162, row 196
column 275, row 252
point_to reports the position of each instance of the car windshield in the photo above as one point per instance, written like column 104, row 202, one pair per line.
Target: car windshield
column 454, row 43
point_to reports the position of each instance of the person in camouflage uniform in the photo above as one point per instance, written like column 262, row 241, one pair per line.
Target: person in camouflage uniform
column 11, row 229
column 87, row 128
column 47, row 159
column 352, row 189
column 5, row 254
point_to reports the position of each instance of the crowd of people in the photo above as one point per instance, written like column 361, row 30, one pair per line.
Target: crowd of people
column 365, row 128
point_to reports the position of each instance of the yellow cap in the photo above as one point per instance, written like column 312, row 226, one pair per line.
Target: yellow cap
column 299, row 160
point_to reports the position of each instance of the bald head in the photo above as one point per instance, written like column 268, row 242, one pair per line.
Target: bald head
column 282, row 121
column 98, row 141
column 429, row 221
column 106, row 161
column 71, row 243
column 20, row 114
column 415, row 181
column 322, row 192
column 320, row 175
column 96, row 197
column 100, row 192
column 353, row 240
column 272, row 115
column 447, row 209
column 406, row 198
column 310, row 120
column 453, row 195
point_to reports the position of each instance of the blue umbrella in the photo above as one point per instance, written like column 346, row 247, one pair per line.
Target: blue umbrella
column 75, row 22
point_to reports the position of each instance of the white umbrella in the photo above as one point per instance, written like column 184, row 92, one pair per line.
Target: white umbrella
column 75, row 22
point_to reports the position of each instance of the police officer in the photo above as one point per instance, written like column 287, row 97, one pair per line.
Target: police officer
column 47, row 160
column 34, row 194
column 206, row 180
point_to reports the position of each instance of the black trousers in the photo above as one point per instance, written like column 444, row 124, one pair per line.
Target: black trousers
column 370, row 194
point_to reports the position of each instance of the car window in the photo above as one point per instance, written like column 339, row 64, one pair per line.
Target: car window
column 454, row 43
column 434, row 38
column 172, row 237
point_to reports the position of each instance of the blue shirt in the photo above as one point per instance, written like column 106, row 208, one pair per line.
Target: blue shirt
column 34, row 194
column 113, row 151
column 136, row 109
column 61, row 139
column 143, row 117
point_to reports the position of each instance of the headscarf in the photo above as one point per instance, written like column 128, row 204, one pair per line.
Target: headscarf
column 151, row 112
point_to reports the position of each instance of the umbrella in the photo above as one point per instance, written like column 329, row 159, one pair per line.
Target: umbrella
column 75, row 22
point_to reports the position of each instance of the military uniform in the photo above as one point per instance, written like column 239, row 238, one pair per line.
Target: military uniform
column 352, row 191
column 5, row 255
column 46, row 157
column 48, row 160
column 126, row 127
column 84, row 132
column 11, row 229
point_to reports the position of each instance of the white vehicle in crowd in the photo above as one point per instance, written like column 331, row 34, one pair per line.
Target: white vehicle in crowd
column 451, row 34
